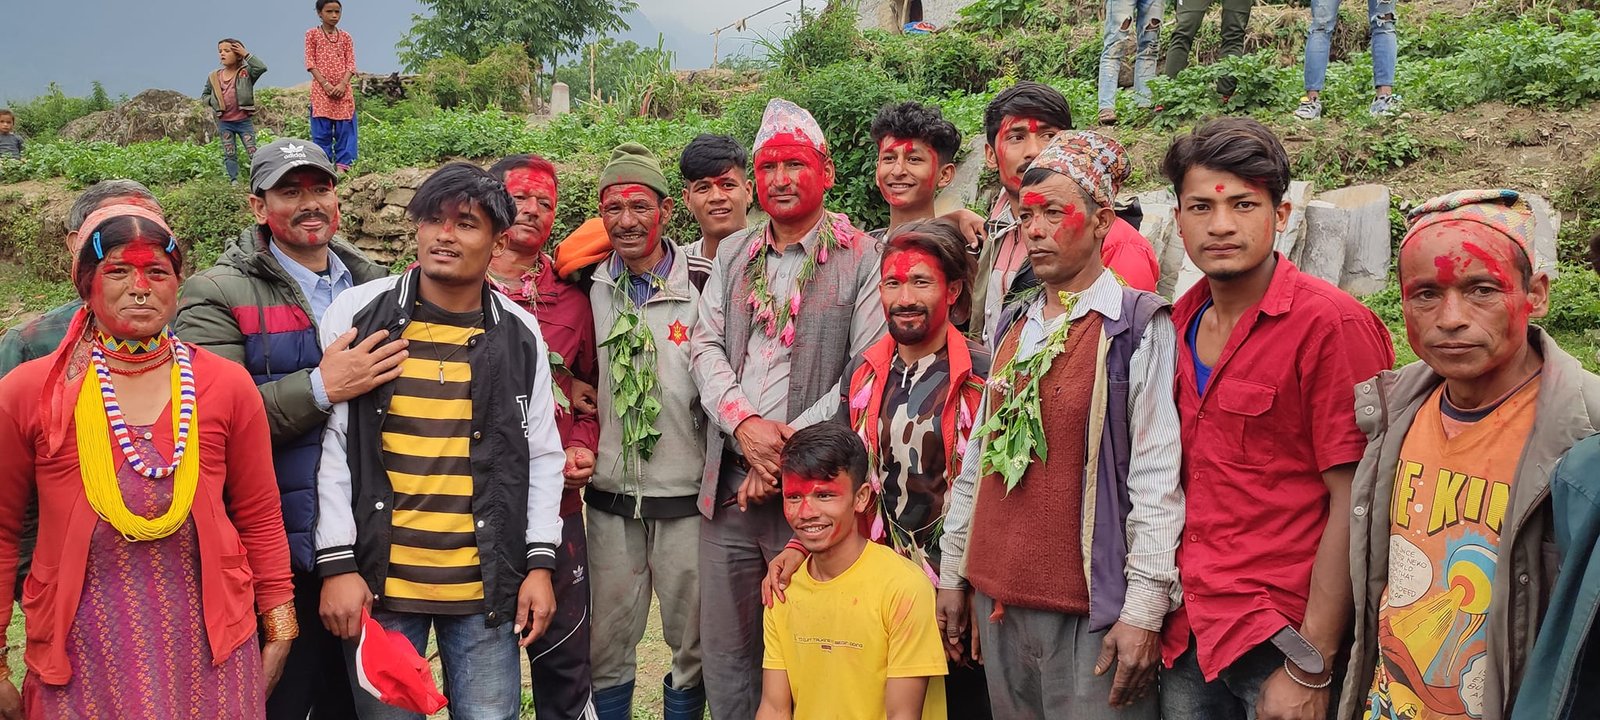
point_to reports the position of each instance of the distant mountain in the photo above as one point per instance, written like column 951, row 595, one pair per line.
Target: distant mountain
column 130, row 47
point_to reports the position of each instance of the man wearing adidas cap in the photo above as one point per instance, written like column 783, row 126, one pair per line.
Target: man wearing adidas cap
column 259, row 306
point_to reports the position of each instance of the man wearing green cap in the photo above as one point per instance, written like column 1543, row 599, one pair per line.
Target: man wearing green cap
column 644, row 529
column 559, row 659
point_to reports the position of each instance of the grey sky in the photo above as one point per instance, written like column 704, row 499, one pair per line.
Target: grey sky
column 131, row 46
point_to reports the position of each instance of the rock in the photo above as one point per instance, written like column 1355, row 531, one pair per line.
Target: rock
column 1366, row 237
column 150, row 115
column 1547, row 227
column 1188, row 276
column 964, row 187
column 1323, row 253
column 1294, row 230
column 400, row 196
column 1160, row 227
column 560, row 99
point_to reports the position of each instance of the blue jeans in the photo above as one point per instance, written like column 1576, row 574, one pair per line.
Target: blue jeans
column 231, row 132
column 482, row 666
column 1232, row 696
column 1385, row 46
column 337, row 138
column 1122, row 16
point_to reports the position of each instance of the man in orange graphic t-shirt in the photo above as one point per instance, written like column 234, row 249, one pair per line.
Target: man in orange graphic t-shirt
column 1447, row 528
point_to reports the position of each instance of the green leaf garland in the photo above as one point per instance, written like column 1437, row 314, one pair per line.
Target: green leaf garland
column 634, row 383
column 1014, row 431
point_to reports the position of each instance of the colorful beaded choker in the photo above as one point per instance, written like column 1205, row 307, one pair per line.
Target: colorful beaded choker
column 134, row 347
column 119, row 426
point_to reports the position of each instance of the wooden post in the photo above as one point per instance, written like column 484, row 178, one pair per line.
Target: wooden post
column 593, row 95
column 716, row 45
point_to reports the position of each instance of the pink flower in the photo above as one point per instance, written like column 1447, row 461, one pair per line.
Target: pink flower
column 964, row 419
column 822, row 254
column 859, row 400
column 932, row 576
column 752, row 299
column 794, row 305
column 755, row 249
column 788, row 335
column 877, row 527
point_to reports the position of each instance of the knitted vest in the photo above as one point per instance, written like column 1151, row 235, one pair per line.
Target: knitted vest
column 1027, row 546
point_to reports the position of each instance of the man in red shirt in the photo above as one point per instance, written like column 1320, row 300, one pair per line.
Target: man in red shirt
column 558, row 660
column 1267, row 365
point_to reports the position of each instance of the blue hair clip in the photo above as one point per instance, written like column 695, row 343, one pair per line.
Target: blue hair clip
column 172, row 244
column 99, row 254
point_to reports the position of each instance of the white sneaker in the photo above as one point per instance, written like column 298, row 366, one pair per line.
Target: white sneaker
column 1309, row 109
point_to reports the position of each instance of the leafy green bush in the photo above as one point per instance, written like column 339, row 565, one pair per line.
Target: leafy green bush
column 1574, row 300
column 1528, row 61
column 500, row 80
column 994, row 14
column 44, row 116
column 24, row 242
column 160, row 162
column 821, row 39
column 206, row 215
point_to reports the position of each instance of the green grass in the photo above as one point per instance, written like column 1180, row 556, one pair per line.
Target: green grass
column 22, row 295
column 14, row 644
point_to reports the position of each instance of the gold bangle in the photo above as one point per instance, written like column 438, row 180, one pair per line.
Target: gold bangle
column 280, row 623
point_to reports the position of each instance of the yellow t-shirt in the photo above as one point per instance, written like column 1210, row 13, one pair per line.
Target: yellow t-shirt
column 840, row 641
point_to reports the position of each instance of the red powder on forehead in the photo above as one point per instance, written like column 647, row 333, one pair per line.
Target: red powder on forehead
column 894, row 144
column 1445, row 266
column 899, row 264
column 527, row 181
column 1221, row 188
column 1034, row 198
column 1033, row 126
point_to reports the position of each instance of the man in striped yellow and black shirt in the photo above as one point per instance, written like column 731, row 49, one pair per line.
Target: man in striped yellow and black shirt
column 439, row 493
column 433, row 555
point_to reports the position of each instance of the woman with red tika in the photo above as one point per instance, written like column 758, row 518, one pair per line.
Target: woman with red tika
column 161, row 540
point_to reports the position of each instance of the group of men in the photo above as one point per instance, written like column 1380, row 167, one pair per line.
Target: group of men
column 975, row 472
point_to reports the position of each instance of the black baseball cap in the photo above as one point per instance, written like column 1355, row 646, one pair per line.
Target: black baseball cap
column 276, row 159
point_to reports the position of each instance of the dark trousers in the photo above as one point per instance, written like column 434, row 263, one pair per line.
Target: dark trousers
column 1234, row 694
column 1235, row 20
column 966, row 692
column 337, row 138
column 314, row 680
column 563, row 688
column 735, row 548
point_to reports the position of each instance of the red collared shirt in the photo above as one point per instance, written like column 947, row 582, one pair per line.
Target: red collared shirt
column 1278, row 412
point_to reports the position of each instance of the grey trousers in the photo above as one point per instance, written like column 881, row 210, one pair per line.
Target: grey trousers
column 1040, row 665
column 627, row 559
column 735, row 548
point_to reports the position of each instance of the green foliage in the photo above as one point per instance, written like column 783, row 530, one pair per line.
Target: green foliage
column 502, row 80
column 617, row 67
column 24, row 241
column 206, row 215
column 844, row 97
column 995, row 14
column 821, row 39
column 472, row 29
column 153, row 163
column 1529, row 61
column 1574, row 300
column 44, row 116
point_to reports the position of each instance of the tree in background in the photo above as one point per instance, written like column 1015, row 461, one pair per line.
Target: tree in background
column 471, row 29
column 617, row 66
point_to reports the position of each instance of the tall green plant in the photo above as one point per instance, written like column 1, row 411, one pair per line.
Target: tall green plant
column 472, row 29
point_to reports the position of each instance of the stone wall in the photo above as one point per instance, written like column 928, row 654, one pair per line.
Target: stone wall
column 883, row 14
column 374, row 212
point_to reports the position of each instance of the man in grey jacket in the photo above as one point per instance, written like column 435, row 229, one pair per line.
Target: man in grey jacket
column 788, row 303
column 1450, row 507
column 643, row 529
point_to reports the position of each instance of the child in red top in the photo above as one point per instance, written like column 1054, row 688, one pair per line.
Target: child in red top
column 331, row 60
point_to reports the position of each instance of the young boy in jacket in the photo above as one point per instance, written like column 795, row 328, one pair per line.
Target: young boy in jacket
column 230, row 92
column 644, row 529
column 1451, row 504
column 439, row 492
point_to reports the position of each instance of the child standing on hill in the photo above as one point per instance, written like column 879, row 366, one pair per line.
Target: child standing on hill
column 331, row 60
column 10, row 142
column 230, row 91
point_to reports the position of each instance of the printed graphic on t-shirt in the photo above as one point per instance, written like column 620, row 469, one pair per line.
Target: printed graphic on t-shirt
column 1449, row 505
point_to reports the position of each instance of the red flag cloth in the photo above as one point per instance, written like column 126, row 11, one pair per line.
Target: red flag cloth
column 389, row 667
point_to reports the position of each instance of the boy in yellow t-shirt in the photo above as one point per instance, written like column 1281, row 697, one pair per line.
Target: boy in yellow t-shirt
column 856, row 636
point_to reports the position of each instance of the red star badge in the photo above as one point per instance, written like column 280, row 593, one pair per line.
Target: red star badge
column 677, row 333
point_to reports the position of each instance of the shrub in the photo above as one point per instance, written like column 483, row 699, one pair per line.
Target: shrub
column 820, row 40
column 501, row 80
column 24, row 241
column 44, row 116
column 206, row 216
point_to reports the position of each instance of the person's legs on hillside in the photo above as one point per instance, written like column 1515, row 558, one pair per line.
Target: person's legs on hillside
column 344, row 144
column 559, row 660
column 1319, row 42
column 228, row 134
column 1385, row 50
column 1119, row 25
column 1190, row 14
column 322, row 134
column 482, row 668
column 1149, row 48
column 1235, row 23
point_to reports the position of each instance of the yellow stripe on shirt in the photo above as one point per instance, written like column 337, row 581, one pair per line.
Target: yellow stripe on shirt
column 429, row 557
column 407, row 484
column 460, row 592
column 429, row 408
column 433, row 522
column 441, row 334
column 456, row 447
column 419, row 369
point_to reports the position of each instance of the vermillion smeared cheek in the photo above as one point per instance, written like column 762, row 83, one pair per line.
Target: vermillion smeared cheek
column 806, row 185
column 1072, row 221
column 1518, row 306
